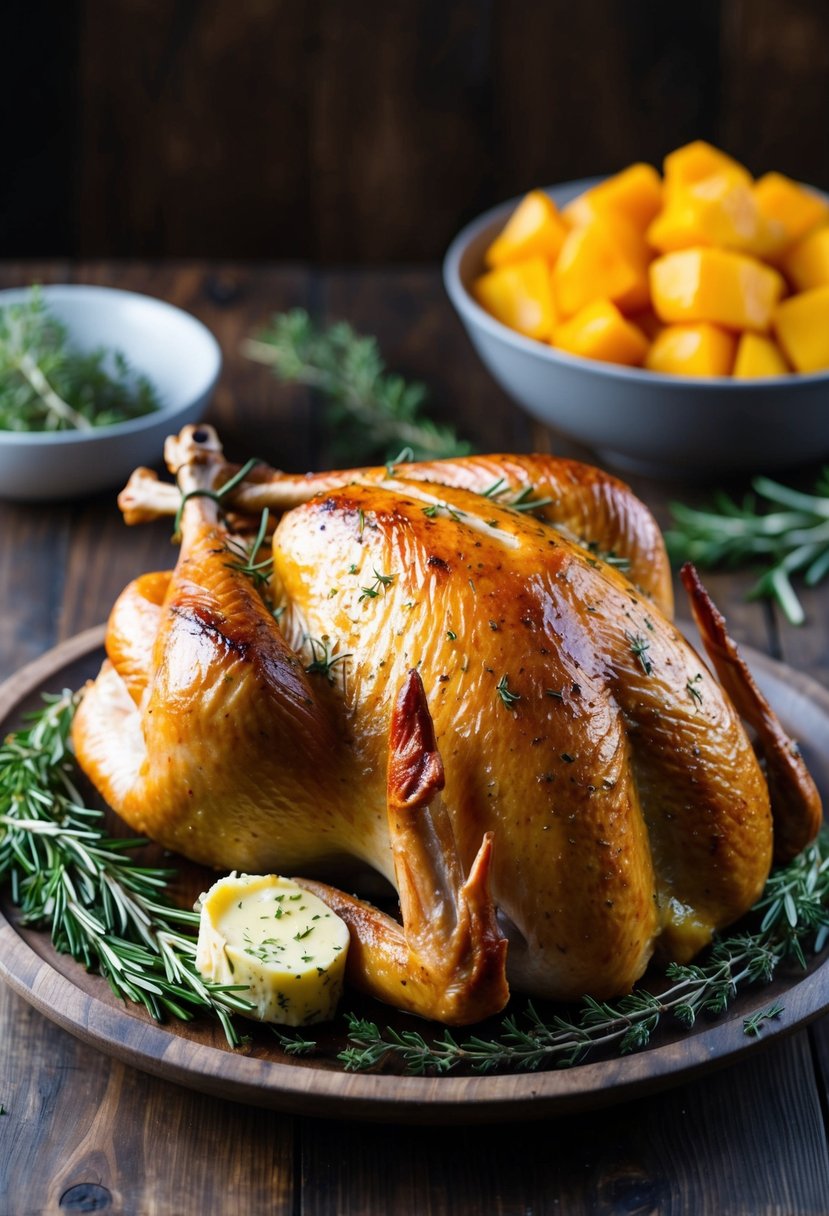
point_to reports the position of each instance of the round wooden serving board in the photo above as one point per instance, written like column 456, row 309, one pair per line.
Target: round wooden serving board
column 195, row 1054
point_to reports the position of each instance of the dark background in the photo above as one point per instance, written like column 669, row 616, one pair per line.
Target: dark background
column 362, row 131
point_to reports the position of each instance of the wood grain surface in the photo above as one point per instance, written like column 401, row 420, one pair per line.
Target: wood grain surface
column 362, row 132
column 85, row 1132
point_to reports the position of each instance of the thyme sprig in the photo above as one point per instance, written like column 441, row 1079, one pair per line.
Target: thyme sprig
column 792, row 539
column 793, row 916
column 370, row 410
column 381, row 583
column 48, row 385
column 100, row 905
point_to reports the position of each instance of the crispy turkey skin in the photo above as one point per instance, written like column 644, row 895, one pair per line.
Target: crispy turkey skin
column 588, row 794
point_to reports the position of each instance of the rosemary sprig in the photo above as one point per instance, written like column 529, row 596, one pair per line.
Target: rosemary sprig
column 110, row 913
column 246, row 556
column 370, row 410
column 522, row 500
column 46, row 385
column 99, row 904
column 792, row 539
column 793, row 913
column 323, row 661
column 508, row 697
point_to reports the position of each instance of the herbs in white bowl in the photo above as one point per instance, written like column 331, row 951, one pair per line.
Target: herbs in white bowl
column 48, row 385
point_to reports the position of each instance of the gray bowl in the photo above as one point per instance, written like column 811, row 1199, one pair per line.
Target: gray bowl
column 174, row 350
column 635, row 419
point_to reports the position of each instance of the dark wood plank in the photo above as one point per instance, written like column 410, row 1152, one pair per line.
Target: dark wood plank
column 581, row 90
column 775, row 81
column 398, row 130
column 194, row 133
column 83, row 1129
column 711, row 1148
column 421, row 338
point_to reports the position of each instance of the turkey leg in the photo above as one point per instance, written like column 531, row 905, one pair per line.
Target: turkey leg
column 448, row 959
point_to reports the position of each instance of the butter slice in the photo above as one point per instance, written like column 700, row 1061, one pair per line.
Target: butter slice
column 278, row 940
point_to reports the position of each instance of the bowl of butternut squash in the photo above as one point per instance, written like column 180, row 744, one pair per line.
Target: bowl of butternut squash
column 674, row 321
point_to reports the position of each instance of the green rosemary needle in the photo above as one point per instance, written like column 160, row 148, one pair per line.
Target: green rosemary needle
column 47, row 385
column 100, row 905
column 793, row 914
column 370, row 410
column 791, row 539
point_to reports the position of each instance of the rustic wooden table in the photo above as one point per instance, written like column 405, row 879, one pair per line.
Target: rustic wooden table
column 82, row 1132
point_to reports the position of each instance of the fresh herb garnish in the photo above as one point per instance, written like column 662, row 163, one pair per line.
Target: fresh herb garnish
column 111, row 914
column 245, row 554
column 639, row 648
column 791, row 540
column 523, row 500
column 381, row 581
column 369, row 409
column 47, row 385
column 322, row 661
column 101, row 905
column 503, row 690
column 793, row 911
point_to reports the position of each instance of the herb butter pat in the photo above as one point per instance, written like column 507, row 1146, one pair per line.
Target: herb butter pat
column 280, row 941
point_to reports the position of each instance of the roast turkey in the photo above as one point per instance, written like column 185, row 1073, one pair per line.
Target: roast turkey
column 463, row 675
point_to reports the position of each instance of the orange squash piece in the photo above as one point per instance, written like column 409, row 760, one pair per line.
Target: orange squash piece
column 599, row 331
column 720, row 211
column 789, row 204
column 806, row 264
column 605, row 260
column 715, row 285
column 520, row 296
column 692, row 350
column 635, row 194
column 757, row 356
column 535, row 229
column 698, row 160
column 801, row 324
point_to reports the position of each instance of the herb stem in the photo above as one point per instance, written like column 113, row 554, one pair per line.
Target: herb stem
column 61, row 409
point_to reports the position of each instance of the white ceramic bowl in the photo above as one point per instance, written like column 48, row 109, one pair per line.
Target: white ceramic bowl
column 635, row 419
column 176, row 352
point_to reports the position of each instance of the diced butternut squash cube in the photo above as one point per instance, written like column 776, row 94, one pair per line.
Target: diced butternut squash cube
column 719, row 210
column 604, row 260
column 801, row 324
column 796, row 209
column 599, row 331
column 692, row 350
column 715, row 285
column 535, row 229
column 520, row 296
column 697, row 160
column 806, row 264
column 635, row 194
column 758, row 355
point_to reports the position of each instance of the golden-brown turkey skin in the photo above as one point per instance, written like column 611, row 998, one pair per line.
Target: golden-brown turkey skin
column 221, row 750
column 589, row 505
column 625, row 805
column 573, row 721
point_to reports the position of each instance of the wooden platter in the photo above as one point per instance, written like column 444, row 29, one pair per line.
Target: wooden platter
column 195, row 1054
